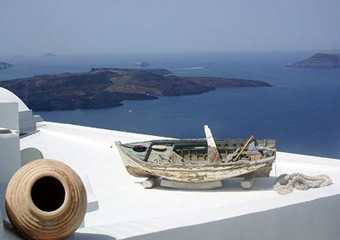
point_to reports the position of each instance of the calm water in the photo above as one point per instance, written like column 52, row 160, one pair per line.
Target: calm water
column 301, row 111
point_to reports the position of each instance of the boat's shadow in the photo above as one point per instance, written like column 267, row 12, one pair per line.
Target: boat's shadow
column 229, row 185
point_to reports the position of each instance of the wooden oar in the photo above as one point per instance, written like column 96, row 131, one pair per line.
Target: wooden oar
column 213, row 154
column 244, row 148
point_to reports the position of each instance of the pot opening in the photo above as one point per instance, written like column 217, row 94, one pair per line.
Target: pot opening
column 48, row 194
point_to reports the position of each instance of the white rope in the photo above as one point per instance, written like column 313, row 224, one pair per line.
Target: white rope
column 285, row 183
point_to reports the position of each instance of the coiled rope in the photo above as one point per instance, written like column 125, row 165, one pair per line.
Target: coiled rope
column 286, row 183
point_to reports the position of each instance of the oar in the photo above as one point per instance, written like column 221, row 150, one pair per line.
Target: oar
column 213, row 154
column 244, row 148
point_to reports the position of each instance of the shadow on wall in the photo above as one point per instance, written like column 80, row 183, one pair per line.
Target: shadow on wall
column 30, row 154
column 90, row 236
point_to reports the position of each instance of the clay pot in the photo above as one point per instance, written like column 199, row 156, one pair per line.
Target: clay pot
column 46, row 199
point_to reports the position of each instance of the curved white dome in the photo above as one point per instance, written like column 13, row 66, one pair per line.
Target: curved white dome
column 8, row 96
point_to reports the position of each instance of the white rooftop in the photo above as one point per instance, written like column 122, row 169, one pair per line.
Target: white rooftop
column 128, row 211
column 8, row 96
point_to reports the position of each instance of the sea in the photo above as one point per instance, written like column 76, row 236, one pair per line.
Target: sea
column 301, row 111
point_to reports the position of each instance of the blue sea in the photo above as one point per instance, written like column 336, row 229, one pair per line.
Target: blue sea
column 301, row 110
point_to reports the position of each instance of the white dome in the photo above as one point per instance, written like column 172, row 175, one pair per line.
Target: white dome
column 8, row 96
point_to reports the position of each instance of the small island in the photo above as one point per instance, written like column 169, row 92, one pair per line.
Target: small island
column 319, row 60
column 142, row 64
column 108, row 87
column 5, row 65
column 50, row 55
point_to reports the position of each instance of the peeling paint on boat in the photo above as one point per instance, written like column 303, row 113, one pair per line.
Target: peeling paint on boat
column 141, row 165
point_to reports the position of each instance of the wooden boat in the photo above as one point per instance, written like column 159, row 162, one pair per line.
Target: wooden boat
column 199, row 160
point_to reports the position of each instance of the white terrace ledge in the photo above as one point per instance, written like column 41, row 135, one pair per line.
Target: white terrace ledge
column 128, row 211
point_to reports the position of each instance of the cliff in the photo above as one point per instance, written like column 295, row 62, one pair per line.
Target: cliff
column 4, row 65
column 319, row 60
column 108, row 87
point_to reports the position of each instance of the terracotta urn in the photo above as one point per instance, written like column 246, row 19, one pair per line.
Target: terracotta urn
column 46, row 199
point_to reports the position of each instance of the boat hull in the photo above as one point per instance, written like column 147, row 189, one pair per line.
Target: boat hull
column 190, row 173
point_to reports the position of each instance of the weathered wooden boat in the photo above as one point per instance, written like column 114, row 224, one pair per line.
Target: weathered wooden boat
column 199, row 160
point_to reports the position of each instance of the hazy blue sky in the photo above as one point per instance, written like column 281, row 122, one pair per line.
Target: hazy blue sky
column 109, row 26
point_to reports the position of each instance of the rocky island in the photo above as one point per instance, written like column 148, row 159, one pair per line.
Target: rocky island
column 5, row 65
column 319, row 60
column 108, row 87
column 50, row 55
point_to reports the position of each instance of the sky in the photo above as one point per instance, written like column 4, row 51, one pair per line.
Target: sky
column 128, row 26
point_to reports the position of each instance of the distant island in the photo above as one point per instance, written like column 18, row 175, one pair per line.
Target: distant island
column 5, row 65
column 319, row 60
column 108, row 87
column 142, row 64
column 50, row 55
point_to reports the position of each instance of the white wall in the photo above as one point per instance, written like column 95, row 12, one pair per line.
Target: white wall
column 9, row 116
column 9, row 155
column 27, row 122
column 314, row 220
column 14, row 114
